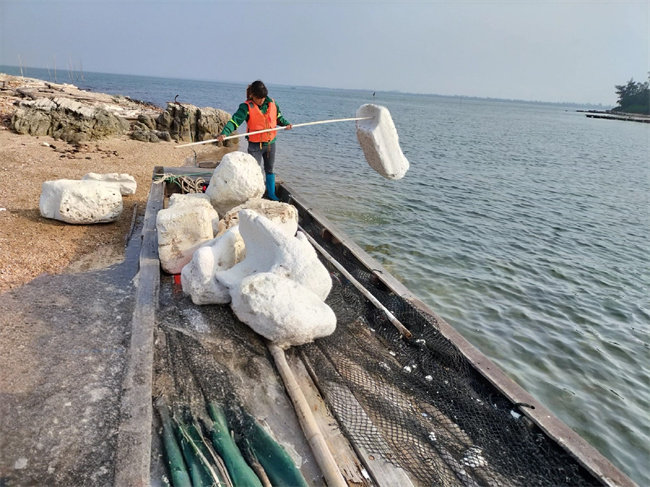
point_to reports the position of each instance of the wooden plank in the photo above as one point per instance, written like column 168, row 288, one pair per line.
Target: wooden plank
column 133, row 455
column 183, row 171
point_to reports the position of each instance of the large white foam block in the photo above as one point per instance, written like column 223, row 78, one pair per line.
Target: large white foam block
column 269, row 249
column 192, row 199
column 236, row 179
column 216, row 255
column 284, row 215
column 182, row 228
column 282, row 310
column 379, row 141
column 80, row 202
column 125, row 182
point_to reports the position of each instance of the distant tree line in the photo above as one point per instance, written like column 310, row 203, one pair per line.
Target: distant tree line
column 634, row 97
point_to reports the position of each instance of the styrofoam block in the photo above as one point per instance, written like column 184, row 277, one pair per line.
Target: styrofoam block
column 269, row 249
column 235, row 180
column 80, row 202
column 125, row 182
column 284, row 215
column 194, row 199
column 282, row 310
column 183, row 228
column 216, row 255
column 380, row 143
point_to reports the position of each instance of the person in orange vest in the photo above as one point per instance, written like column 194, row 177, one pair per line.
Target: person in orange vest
column 259, row 112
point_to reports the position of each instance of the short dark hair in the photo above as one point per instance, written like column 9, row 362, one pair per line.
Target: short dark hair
column 258, row 90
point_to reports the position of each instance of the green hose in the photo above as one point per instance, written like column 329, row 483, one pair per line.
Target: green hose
column 277, row 463
column 198, row 468
column 177, row 468
column 240, row 473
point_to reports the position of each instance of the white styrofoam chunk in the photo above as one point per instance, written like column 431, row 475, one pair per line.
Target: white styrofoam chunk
column 282, row 310
column 269, row 249
column 125, row 182
column 284, row 215
column 193, row 199
column 182, row 228
column 80, row 202
column 235, row 180
column 188, row 199
column 380, row 143
column 216, row 255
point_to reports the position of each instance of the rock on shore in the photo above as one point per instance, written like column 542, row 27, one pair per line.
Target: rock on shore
column 66, row 119
column 68, row 113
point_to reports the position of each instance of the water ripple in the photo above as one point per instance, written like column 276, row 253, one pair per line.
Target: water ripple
column 530, row 236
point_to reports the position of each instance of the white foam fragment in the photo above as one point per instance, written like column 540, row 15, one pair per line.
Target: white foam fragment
column 219, row 254
column 282, row 310
column 80, row 202
column 182, row 228
column 125, row 182
column 284, row 215
column 236, row 179
column 269, row 249
column 379, row 141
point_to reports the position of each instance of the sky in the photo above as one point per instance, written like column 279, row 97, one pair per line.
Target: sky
column 553, row 51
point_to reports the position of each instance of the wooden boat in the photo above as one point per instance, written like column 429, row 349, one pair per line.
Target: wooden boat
column 413, row 406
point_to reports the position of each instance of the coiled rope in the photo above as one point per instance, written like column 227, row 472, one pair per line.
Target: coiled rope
column 189, row 183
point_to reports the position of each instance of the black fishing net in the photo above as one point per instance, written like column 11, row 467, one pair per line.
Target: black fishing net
column 205, row 354
column 418, row 403
column 206, row 358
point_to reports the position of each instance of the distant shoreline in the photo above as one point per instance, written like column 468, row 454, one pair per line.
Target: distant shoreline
column 16, row 71
column 611, row 115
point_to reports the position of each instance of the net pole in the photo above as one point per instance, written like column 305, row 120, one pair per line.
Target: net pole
column 315, row 438
column 236, row 136
column 396, row 323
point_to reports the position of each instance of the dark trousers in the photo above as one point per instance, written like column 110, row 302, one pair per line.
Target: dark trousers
column 266, row 153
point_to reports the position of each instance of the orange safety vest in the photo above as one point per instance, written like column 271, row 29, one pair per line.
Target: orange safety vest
column 261, row 121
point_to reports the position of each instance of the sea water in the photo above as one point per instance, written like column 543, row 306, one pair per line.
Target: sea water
column 525, row 226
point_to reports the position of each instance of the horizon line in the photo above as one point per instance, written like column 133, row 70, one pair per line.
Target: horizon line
column 393, row 91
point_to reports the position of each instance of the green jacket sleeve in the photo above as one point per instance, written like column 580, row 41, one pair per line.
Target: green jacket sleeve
column 282, row 122
column 239, row 117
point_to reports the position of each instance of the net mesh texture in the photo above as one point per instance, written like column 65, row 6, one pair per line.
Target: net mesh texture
column 418, row 403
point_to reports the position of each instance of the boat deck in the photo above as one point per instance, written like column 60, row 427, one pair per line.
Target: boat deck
column 395, row 410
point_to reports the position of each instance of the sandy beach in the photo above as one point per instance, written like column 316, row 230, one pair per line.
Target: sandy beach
column 31, row 245
column 64, row 335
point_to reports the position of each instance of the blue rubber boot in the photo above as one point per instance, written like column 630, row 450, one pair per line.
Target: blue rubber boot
column 270, row 187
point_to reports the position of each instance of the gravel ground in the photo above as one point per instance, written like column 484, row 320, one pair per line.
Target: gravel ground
column 31, row 245
column 64, row 334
